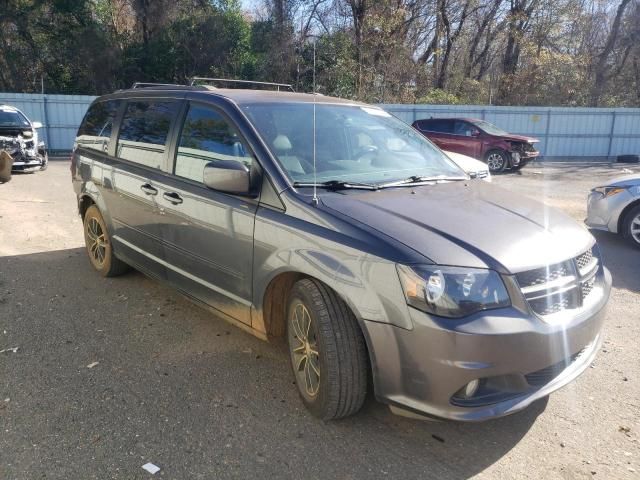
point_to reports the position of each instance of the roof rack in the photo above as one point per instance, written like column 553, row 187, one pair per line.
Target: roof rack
column 277, row 86
column 147, row 84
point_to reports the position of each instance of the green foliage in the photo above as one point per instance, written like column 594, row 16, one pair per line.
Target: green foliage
column 437, row 96
column 378, row 51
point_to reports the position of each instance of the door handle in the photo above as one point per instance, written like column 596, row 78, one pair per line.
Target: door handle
column 172, row 197
column 148, row 189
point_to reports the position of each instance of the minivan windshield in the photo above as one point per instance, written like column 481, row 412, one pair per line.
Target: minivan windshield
column 353, row 143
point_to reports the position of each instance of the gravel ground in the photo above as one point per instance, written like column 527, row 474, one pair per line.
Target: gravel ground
column 111, row 374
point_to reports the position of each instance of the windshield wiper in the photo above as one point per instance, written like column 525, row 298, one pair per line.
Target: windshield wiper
column 417, row 179
column 337, row 185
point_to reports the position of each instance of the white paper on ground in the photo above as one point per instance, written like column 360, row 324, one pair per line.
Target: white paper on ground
column 91, row 365
column 151, row 468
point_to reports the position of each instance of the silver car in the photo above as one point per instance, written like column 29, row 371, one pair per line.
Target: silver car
column 615, row 207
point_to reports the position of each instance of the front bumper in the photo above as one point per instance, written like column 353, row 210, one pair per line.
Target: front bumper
column 26, row 164
column 603, row 213
column 515, row 353
column 522, row 157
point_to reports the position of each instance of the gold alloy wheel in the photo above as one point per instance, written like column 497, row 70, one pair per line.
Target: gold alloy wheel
column 304, row 350
column 96, row 242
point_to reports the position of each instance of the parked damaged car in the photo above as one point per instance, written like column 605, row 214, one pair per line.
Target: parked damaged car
column 19, row 139
column 481, row 140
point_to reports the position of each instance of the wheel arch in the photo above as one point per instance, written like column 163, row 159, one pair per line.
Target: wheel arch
column 274, row 311
column 624, row 213
column 84, row 202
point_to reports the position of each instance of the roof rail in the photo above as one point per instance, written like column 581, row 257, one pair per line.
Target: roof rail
column 147, row 84
column 277, row 86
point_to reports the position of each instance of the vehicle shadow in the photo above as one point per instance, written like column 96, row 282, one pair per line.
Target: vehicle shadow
column 622, row 259
column 176, row 384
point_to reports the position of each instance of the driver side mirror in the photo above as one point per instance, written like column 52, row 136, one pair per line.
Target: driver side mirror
column 228, row 176
column 475, row 132
column 36, row 125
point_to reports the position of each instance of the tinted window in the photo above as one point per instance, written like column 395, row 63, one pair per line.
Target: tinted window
column 206, row 137
column 437, row 125
column 463, row 128
column 144, row 130
column 95, row 129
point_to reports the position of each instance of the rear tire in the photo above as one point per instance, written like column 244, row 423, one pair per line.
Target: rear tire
column 327, row 351
column 99, row 247
column 497, row 160
column 631, row 226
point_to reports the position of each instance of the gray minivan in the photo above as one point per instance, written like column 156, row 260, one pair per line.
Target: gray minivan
column 338, row 227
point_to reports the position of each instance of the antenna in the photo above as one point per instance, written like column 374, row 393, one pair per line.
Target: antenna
column 315, row 183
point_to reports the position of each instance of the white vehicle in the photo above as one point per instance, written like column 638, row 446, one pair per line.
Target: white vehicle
column 474, row 168
column 19, row 138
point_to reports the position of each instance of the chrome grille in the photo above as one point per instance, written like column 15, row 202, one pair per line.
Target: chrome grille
column 584, row 259
column 544, row 275
column 561, row 286
column 587, row 286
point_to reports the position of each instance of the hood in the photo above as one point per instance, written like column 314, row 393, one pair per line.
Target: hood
column 519, row 138
column 468, row 164
column 13, row 131
column 471, row 224
column 625, row 180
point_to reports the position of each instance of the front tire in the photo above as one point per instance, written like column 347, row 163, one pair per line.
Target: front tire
column 99, row 247
column 497, row 161
column 631, row 226
column 45, row 162
column 327, row 351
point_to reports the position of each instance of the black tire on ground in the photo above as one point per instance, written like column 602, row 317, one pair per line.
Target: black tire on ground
column 46, row 162
column 631, row 226
column 496, row 160
column 327, row 351
column 99, row 247
column 628, row 159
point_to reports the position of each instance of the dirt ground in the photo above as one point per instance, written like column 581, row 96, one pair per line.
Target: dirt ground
column 100, row 376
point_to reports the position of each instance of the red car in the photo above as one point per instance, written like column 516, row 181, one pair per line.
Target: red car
column 481, row 140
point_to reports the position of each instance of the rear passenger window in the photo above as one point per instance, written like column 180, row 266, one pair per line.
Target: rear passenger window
column 95, row 129
column 207, row 137
column 144, row 130
column 437, row 125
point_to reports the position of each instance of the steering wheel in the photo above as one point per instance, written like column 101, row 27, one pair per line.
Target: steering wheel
column 369, row 149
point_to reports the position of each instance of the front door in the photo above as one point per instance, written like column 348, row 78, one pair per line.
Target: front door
column 208, row 235
column 465, row 139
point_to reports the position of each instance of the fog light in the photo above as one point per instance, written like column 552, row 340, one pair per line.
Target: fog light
column 471, row 388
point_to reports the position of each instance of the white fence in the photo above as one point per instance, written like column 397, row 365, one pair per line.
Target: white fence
column 563, row 131
column 60, row 115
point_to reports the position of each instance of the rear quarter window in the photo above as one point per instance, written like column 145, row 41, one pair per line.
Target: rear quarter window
column 95, row 130
column 144, row 130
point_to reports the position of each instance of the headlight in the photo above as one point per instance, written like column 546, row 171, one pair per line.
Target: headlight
column 608, row 191
column 452, row 292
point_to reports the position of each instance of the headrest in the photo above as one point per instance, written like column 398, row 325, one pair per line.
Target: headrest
column 281, row 142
